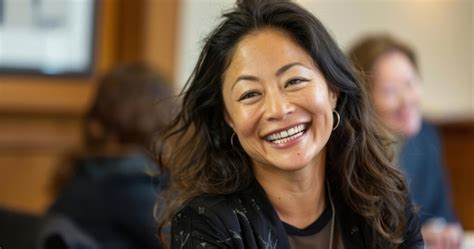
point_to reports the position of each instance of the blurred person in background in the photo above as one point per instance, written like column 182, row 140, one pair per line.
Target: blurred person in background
column 109, row 188
column 390, row 70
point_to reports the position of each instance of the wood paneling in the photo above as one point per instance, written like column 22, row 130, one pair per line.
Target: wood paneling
column 161, row 31
column 458, row 146
column 39, row 132
column 26, row 177
column 44, row 95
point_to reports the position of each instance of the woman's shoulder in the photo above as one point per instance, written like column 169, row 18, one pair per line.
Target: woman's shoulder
column 207, row 219
column 241, row 207
column 224, row 221
column 246, row 198
column 216, row 205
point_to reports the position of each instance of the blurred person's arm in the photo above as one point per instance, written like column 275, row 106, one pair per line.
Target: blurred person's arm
column 441, row 235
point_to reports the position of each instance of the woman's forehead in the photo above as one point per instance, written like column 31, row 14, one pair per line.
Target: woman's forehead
column 266, row 48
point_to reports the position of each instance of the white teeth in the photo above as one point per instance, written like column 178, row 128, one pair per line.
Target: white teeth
column 291, row 131
column 285, row 136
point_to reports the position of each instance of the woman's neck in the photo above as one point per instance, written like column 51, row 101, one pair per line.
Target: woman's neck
column 298, row 197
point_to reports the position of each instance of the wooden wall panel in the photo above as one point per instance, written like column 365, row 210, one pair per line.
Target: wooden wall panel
column 39, row 132
column 161, row 36
column 26, row 177
column 42, row 95
column 458, row 146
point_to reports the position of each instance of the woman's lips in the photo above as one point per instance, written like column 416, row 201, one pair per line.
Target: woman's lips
column 285, row 137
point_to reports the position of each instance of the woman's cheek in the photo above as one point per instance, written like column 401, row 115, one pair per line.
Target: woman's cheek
column 247, row 120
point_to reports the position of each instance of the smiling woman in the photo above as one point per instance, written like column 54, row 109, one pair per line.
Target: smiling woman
column 281, row 110
column 277, row 147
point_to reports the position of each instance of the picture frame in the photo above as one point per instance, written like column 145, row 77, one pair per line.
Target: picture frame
column 47, row 37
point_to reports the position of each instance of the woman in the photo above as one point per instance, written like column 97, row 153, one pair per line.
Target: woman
column 275, row 145
column 107, row 188
column 393, row 83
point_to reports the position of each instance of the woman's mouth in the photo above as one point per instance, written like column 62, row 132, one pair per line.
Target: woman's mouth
column 285, row 136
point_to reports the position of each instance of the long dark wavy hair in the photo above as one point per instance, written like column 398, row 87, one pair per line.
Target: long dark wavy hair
column 202, row 161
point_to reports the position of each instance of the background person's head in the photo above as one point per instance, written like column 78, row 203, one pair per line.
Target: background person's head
column 130, row 106
column 390, row 70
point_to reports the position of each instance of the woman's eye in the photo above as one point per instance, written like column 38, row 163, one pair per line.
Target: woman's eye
column 295, row 81
column 248, row 95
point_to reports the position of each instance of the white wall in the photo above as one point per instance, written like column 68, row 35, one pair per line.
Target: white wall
column 441, row 31
column 198, row 18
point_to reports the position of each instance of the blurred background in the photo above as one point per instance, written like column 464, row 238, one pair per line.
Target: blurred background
column 45, row 89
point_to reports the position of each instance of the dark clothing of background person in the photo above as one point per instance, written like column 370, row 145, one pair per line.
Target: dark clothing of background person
column 112, row 200
column 421, row 160
column 247, row 220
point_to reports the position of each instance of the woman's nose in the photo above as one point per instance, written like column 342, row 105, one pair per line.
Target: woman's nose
column 277, row 105
column 408, row 96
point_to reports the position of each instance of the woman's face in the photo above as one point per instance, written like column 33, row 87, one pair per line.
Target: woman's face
column 396, row 94
column 278, row 102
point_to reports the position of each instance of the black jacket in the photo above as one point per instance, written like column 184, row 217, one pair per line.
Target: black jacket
column 112, row 200
column 247, row 220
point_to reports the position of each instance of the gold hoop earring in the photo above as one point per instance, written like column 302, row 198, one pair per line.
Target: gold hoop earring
column 338, row 119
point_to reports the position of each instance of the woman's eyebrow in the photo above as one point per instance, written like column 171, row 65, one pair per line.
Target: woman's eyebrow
column 244, row 77
column 288, row 66
column 278, row 73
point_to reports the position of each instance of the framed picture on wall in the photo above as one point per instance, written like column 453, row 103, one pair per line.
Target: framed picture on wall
column 50, row 37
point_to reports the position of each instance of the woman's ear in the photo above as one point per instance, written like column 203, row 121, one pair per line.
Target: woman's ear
column 228, row 120
column 333, row 96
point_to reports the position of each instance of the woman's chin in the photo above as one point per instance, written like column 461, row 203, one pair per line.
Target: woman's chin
column 409, row 130
column 290, row 164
